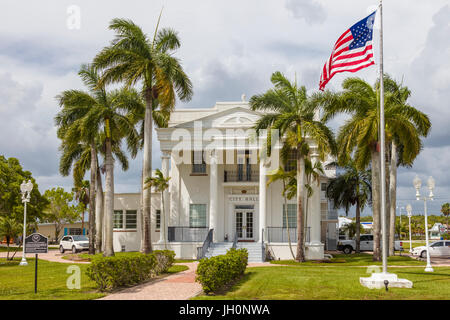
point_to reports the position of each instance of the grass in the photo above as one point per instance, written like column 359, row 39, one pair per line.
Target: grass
column 12, row 249
column 17, row 282
column 361, row 259
column 316, row 283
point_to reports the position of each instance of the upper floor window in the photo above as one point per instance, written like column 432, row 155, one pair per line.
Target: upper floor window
column 158, row 219
column 291, row 161
column 198, row 162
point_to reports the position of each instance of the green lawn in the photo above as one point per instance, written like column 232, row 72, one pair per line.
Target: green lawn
column 12, row 249
column 17, row 282
column 362, row 259
column 308, row 282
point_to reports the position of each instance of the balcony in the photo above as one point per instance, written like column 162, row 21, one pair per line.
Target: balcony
column 241, row 174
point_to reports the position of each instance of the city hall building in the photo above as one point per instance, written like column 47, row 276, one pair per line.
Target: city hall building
column 219, row 196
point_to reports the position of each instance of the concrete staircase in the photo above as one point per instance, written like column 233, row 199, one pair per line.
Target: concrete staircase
column 255, row 250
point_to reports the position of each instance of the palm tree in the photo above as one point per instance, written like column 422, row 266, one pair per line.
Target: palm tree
column 9, row 229
column 87, row 114
column 160, row 184
column 353, row 187
column 291, row 111
column 402, row 154
column 133, row 57
column 286, row 178
column 82, row 195
column 359, row 134
column 445, row 209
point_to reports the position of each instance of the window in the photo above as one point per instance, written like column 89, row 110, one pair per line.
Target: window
column 291, row 161
column 118, row 219
column 292, row 215
column 130, row 219
column 323, row 186
column 158, row 219
column 437, row 244
column 198, row 162
column 197, row 215
column 74, row 231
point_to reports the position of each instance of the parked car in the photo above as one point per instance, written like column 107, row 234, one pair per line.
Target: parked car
column 437, row 249
column 365, row 244
column 74, row 243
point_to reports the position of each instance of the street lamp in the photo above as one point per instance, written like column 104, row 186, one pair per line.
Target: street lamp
column 25, row 189
column 400, row 233
column 431, row 184
column 409, row 211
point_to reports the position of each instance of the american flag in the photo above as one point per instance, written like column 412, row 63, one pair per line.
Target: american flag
column 352, row 51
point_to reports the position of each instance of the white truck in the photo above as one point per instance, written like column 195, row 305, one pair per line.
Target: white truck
column 366, row 244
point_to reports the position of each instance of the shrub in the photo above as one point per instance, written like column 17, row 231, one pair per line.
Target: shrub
column 125, row 270
column 218, row 271
column 164, row 260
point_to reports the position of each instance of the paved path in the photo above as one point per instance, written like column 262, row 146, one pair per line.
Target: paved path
column 179, row 286
column 52, row 255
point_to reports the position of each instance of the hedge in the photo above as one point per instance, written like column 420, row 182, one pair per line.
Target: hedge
column 112, row 272
column 218, row 271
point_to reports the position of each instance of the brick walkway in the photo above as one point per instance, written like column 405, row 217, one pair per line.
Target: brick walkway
column 179, row 286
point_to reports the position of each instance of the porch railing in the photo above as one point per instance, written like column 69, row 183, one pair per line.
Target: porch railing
column 280, row 234
column 241, row 176
column 187, row 234
column 201, row 251
column 235, row 240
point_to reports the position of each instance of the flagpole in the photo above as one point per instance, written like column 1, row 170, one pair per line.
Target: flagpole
column 382, row 152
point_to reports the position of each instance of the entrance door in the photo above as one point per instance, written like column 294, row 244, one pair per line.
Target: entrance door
column 244, row 224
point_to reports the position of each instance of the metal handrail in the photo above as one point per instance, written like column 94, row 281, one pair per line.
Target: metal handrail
column 206, row 243
column 235, row 240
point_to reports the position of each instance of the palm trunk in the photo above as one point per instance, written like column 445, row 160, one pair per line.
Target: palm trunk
column 99, row 236
column 393, row 198
column 300, row 194
column 376, row 204
column 93, row 172
column 109, row 200
column 287, row 221
column 141, row 211
column 147, row 172
column 358, row 227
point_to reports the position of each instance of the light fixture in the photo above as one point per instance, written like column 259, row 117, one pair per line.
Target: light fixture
column 431, row 185
column 417, row 184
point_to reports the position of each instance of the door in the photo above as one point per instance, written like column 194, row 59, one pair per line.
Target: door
column 366, row 242
column 437, row 249
column 244, row 224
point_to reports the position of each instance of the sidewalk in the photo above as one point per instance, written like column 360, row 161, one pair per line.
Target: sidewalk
column 179, row 286
column 51, row 255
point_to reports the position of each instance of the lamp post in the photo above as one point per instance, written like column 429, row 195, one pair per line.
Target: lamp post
column 400, row 233
column 417, row 184
column 25, row 189
column 409, row 211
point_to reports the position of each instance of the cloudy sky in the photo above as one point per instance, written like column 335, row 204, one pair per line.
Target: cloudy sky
column 228, row 48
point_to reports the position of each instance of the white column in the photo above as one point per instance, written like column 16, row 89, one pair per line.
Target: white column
column 213, row 194
column 314, row 208
column 262, row 198
column 165, row 162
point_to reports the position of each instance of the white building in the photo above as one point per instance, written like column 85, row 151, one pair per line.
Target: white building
column 218, row 186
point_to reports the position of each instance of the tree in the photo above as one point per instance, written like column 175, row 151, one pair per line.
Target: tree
column 286, row 178
column 9, row 229
column 160, row 184
column 353, row 187
column 11, row 177
column 445, row 209
column 87, row 114
column 359, row 135
column 290, row 111
column 60, row 210
column 81, row 194
column 133, row 57
column 351, row 228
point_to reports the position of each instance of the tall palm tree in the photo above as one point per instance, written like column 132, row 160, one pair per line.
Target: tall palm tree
column 160, row 184
column 85, row 114
column 401, row 154
column 133, row 57
column 286, row 178
column 81, row 192
column 353, row 187
column 359, row 134
column 289, row 110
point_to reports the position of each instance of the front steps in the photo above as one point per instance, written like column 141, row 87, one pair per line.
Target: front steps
column 255, row 250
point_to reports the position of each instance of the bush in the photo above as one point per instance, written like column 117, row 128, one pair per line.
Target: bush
column 164, row 260
column 113, row 272
column 216, row 272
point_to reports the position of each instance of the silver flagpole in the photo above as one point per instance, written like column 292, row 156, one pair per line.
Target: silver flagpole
column 382, row 154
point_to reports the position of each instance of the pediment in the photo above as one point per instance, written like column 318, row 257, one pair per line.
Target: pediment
column 233, row 118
